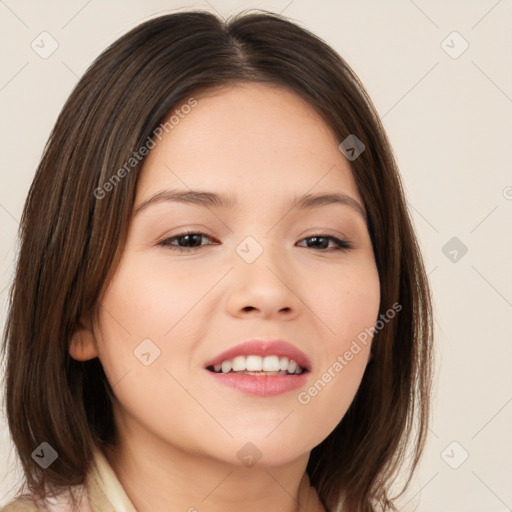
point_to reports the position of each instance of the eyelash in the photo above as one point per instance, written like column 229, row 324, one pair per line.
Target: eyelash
column 341, row 245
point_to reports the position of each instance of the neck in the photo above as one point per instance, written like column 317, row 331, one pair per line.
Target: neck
column 157, row 476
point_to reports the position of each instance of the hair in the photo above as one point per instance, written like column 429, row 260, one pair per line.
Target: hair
column 72, row 239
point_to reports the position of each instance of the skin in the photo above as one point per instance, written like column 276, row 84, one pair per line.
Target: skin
column 179, row 429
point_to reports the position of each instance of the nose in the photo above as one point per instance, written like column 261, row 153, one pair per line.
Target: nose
column 263, row 289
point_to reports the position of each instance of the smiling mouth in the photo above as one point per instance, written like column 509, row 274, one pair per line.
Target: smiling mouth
column 271, row 365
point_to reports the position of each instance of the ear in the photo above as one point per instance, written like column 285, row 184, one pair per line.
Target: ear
column 82, row 346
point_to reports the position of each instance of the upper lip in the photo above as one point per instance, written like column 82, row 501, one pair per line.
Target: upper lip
column 263, row 348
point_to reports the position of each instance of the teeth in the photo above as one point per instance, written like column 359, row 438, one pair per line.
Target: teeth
column 272, row 364
column 226, row 366
column 292, row 366
column 254, row 363
column 238, row 364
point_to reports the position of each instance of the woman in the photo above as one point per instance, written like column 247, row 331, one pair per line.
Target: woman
column 219, row 299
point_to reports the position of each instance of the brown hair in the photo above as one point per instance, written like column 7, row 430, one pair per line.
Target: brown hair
column 71, row 240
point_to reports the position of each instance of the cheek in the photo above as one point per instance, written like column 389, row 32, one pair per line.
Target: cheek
column 143, row 336
column 347, row 301
column 147, row 300
column 351, row 307
column 152, row 314
column 358, row 308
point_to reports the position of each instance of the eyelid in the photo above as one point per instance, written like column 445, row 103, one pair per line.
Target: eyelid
column 342, row 243
column 165, row 240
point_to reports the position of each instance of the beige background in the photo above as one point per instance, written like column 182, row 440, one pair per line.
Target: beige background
column 449, row 121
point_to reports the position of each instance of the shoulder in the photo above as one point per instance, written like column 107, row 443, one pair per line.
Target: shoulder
column 58, row 503
column 21, row 504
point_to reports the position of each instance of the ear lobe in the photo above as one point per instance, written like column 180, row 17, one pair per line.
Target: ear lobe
column 82, row 346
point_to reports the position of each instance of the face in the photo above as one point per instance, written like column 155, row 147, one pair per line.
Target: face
column 258, row 267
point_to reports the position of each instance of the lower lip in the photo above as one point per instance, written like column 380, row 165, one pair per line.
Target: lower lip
column 264, row 385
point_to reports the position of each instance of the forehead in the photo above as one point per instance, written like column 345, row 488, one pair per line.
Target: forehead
column 254, row 141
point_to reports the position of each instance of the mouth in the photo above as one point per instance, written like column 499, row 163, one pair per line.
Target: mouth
column 258, row 365
column 263, row 368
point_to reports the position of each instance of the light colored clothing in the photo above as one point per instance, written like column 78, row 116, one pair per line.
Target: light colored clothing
column 102, row 492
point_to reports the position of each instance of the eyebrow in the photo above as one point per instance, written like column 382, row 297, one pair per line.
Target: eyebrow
column 214, row 200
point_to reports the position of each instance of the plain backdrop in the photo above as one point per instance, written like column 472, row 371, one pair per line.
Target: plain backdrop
column 439, row 73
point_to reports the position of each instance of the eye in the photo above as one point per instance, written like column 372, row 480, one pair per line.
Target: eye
column 189, row 242
column 321, row 242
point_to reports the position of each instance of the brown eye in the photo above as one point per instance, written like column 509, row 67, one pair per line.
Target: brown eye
column 321, row 242
column 186, row 242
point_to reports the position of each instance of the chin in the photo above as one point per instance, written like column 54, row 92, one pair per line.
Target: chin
column 262, row 452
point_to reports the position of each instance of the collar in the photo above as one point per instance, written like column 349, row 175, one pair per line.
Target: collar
column 105, row 492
